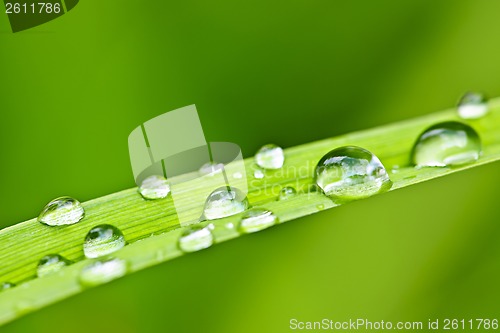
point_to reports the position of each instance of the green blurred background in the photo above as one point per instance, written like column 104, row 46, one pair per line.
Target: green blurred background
column 287, row 72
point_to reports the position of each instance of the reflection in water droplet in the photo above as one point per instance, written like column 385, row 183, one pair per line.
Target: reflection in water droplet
column 61, row 211
column 195, row 238
column 102, row 271
column 225, row 202
column 351, row 173
column 256, row 219
column 286, row 193
column 102, row 240
column 270, row 156
column 50, row 264
column 447, row 144
column 154, row 187
column 472, row 105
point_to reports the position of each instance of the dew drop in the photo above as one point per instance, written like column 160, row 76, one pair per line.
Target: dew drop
column 446, row 144
column 472, row 105
column 6, row 285
column 62, row 211
column 154, row 187
column 102, row 240
column 237, row 175
column 256, row 219
column 211, row 168
column 258, row 174
column 270, row 156
column 286, row 193
column 351, row 173
column 320, row 207
column 195, row 238
column 225, row 201
column 102, row 271
column 50, row 264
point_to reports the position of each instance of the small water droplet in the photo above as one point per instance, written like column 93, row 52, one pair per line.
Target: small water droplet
column 258, row 174
column 102, row 271
column 286, row 193
column 225, row 201
column 351, row 173
column 62, row 211
column 102, row 240
column 7, row 285
column 154, row 187
column 237, row 175
column 211, row 168
column 472, row 105
column 320, row 207
column 270, row 156
column 395, row 169
column 50, row 264
column 446, row 144
column 256, row 219
column 195, row 238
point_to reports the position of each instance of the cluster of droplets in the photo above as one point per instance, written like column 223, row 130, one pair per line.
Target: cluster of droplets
column 343, row 174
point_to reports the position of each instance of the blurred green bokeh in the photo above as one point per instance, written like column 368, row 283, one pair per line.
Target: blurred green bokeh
column 287, row 72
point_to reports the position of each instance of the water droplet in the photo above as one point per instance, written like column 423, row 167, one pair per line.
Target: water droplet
column 62, row 211
column 237, row 175
column 472, row 105
column 7, row 285
column 256, row 219
column 154, row 187
column 447, row 144
column 270, row 156
column 225, row 201
column 351, row 173
column 195, row 238
column 286, row 193
column 258, row 174
column 395, row 169
column 102, row 240
column 211, row 168
column 102, row 271
column 51, row 264
column 320, row 207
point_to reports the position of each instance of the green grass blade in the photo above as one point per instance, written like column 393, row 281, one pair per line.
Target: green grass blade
column 152, row 229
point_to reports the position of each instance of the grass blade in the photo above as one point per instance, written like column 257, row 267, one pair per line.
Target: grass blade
column 152, row 229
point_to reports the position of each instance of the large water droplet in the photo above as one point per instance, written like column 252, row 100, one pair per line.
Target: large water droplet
column 286, row 193
column 6, row 285
column 351, row 173
column 102, row 271
column 102, row 240
column 225, row 201
column 270, row 156
column 211, row 168
column 51, row 264
column 62, row 211
column 256, row 219
column 154, row 187
column 195, row 238
column 472, row 105
column 447, row 144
